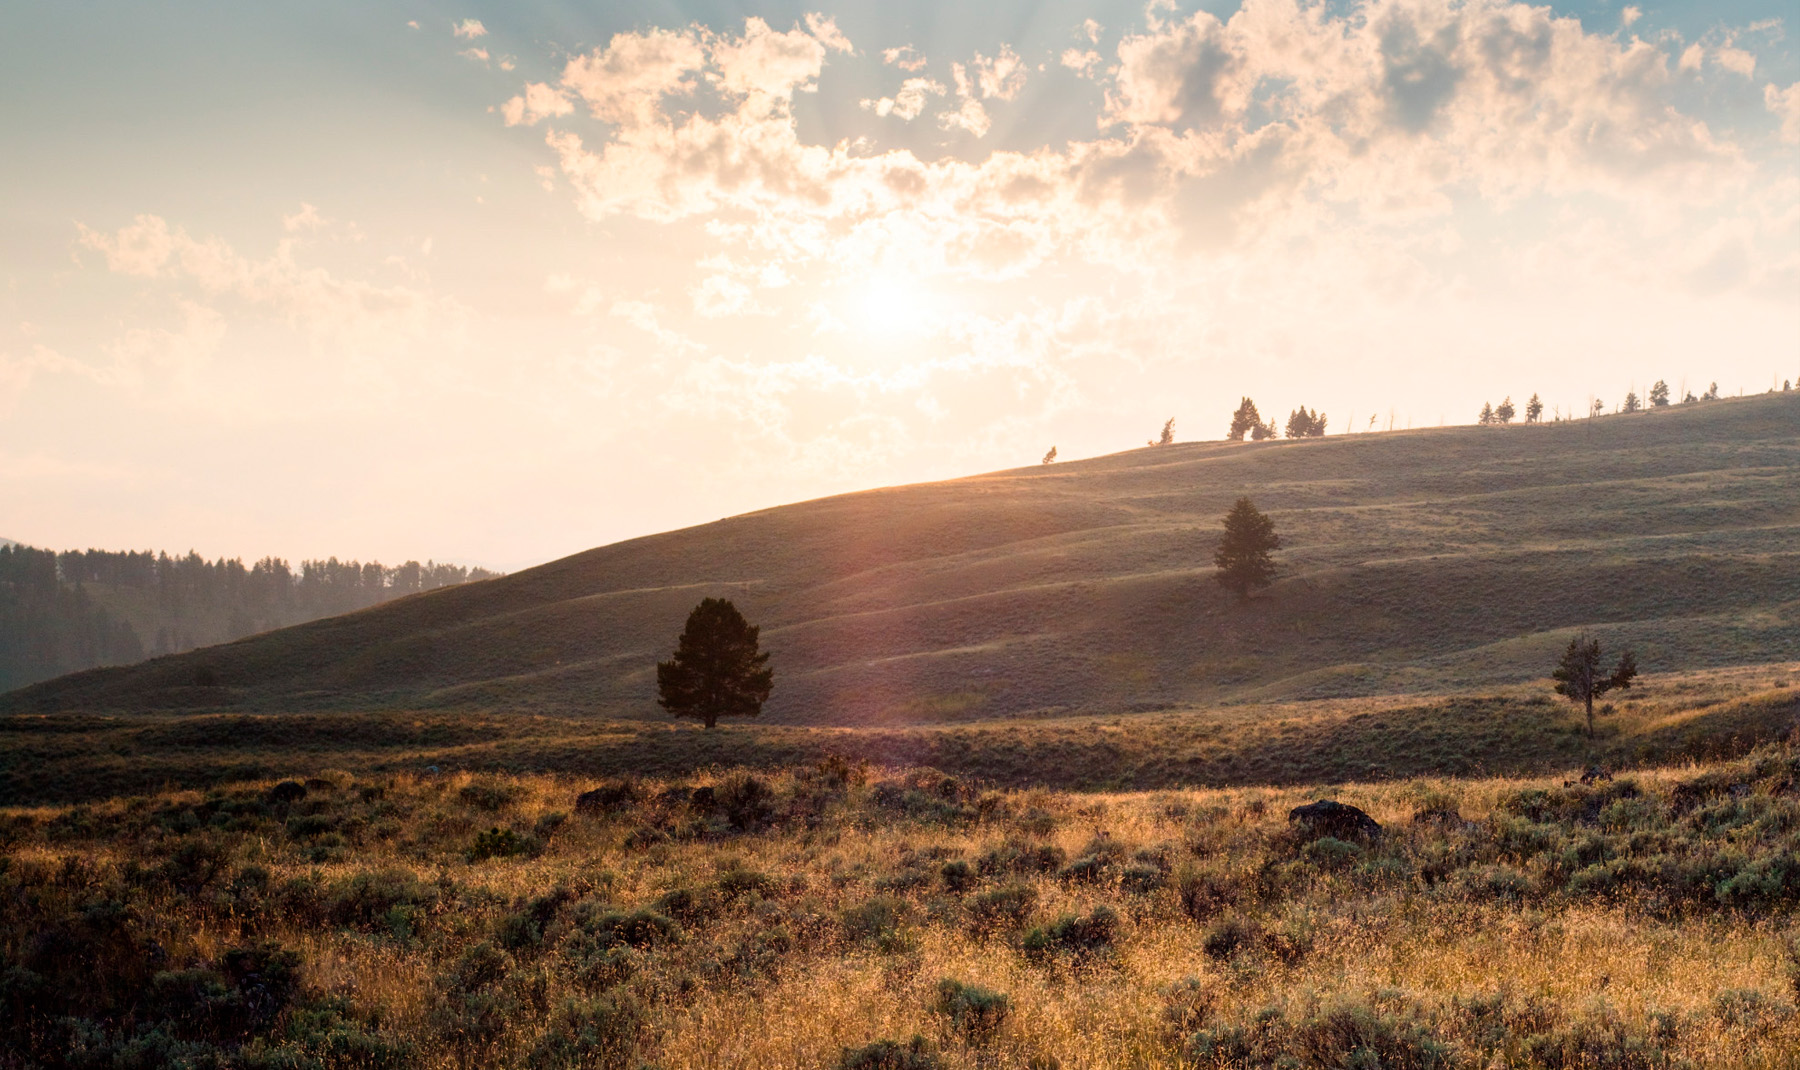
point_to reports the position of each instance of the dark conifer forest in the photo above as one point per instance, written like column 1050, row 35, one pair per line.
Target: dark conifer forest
column 62, row 612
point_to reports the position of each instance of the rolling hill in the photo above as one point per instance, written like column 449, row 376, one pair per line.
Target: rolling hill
column 1414, row 562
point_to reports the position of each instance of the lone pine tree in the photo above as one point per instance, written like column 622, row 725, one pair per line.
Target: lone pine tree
column 1243, row 554
column 1578, row 675
column 716, row 671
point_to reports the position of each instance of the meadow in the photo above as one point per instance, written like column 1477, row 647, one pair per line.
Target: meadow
column 835, row 916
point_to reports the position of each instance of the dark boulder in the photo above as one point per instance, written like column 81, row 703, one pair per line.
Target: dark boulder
column 288, row 791
column 1335, row 819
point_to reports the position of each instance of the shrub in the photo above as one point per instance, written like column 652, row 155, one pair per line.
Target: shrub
column 389, row 899
column 1186, row 1006
column 1204, row 892
column 917, row 1054
column 1352, row 1034
column 1142, row 880
column 500, row 842
column 638, row 928
column 746, row 802
column 1231, row 935
column 1005, row 907
column 1017, row 856
column 958, row 876
column 876, row 921
column 736, row 882
column 685, row 904
column 1088, row 869
column 484, row 795
column 1083, row 938
column 975, row 1012
column 602, row 1033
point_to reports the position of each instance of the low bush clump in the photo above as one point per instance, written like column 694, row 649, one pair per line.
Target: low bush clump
column 1081, row 937
column 975, row 1012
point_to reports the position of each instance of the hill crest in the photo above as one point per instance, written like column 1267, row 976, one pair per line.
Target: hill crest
column 1415, row 561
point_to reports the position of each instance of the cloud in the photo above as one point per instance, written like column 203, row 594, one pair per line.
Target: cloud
column 1082, row 63
column 539, row 101
column 909, row 102
column 469, row 28
column 905, row 57
column 309, row 298
column 1001, row 76
column 479, row 55
column 1785, row 103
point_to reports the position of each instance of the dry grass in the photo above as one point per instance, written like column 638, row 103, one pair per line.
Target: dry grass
column 1519, row 730
column 1588, row 925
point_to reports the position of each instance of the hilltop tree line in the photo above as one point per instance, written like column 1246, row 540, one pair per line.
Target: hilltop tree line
column 63, row 612
column 1659, row 397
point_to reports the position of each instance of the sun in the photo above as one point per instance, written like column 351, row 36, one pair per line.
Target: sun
column 891, row 306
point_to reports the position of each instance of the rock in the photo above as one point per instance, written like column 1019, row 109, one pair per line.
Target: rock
column 1335, row 819
column 288, row 791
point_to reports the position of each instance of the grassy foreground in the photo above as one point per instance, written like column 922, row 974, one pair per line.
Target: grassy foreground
column 1518, row 731
column 830, row 917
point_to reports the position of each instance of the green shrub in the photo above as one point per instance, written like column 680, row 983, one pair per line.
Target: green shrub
column 1004, row 907
column 917, row 1054
column 877, row 921
column 1231, row 935
column 977, row 1013
column 391, row 899
column 489, row 796
column 957, row 875
column 1088, row 869
column 746, row 802
column 1083, row 938
column 601, row 1033
column 500, row 842
column 1018, row 856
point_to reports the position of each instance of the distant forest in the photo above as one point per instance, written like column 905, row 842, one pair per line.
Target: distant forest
column 60, row 613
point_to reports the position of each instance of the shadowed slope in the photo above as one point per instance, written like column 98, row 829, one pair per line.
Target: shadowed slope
column 1419, row 560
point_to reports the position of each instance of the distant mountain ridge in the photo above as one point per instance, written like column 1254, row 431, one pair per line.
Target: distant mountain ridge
column 1413, row 561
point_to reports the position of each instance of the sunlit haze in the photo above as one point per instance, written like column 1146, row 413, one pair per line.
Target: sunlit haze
column 496, row 283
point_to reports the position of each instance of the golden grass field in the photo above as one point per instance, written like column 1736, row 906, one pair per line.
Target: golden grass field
column 1021, row 800
column 798, row 919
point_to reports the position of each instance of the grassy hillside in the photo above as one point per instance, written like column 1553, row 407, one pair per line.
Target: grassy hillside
column 824, row 917
column 1416, row 562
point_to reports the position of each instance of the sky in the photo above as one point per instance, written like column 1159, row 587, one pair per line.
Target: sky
column 494, row 283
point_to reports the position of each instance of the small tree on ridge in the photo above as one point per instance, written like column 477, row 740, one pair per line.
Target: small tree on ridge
column 1578, row 675
column 716, row 671
column 1243, row 554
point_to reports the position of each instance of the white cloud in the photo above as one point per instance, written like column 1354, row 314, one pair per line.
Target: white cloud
column 1001, row 76
column 539, row 101
column 909, row 102
column 969, row 116
column 1082, row 63
column 905, row 57
column 306, row 297
column 1785, row 103
column 469, row 28
column 479, row 55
